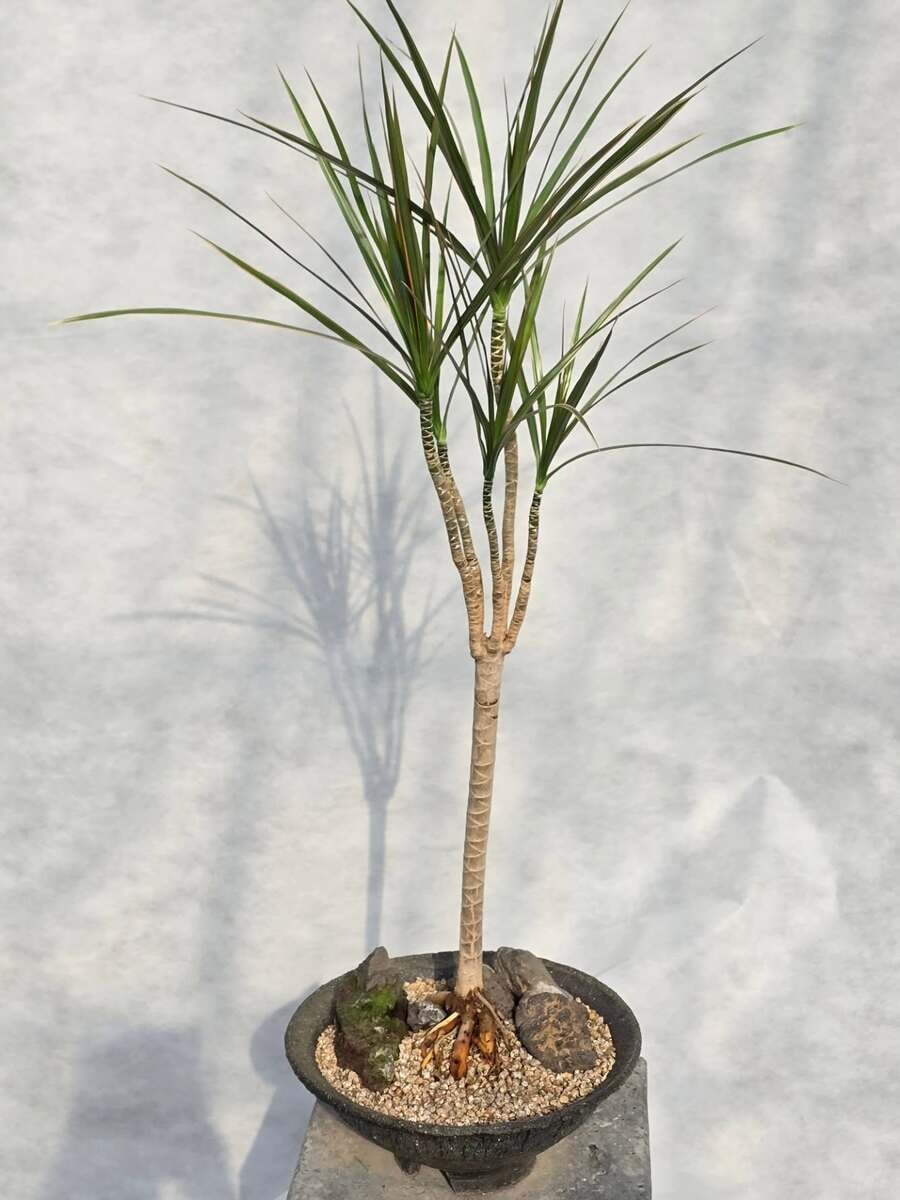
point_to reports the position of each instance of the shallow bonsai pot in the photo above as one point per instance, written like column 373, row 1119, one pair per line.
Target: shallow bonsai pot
column 471, row 1157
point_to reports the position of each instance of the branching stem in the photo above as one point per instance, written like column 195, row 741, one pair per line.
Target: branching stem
column 534, row 522
column 457, row 527
column 501, row 561
column 511, row 471
column 462, row 518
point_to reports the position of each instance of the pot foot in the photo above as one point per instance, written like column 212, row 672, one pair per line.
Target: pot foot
column 407, row 1166
column 490, row 1181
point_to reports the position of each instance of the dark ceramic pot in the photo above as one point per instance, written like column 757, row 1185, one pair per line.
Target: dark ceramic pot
column 471, row 1157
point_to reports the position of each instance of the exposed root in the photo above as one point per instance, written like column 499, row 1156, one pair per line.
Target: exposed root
column 476, row 1022
column 434, row 1037
column 499, row 1023
column 487, row 1040
column 438, row 1031
column 459, row 1055
column 438, row 1055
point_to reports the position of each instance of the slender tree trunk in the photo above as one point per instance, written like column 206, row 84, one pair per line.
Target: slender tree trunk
column 488, row 674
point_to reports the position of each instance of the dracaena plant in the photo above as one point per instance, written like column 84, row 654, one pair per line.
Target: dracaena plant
column 441, row 307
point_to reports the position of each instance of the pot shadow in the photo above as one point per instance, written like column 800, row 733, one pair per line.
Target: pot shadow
column 266, row 1170
column 139, row 1122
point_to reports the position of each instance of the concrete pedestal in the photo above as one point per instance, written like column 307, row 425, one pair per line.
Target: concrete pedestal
column 608, row 1158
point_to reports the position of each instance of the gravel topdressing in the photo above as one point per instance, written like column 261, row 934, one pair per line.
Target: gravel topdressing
column 520, row 1088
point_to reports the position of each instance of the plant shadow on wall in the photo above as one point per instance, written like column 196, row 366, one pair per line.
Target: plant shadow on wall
column 347, row 568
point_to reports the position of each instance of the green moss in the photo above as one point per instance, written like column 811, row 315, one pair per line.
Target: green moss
column 370, row 1030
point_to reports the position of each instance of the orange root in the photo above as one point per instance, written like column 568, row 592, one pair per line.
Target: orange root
column 476, row 1022
column 459, row 1055
column 487, row 1041
column 498, row 1023
column 438, row 1031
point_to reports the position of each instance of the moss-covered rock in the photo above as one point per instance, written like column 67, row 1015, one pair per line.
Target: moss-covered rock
column 371, row 1024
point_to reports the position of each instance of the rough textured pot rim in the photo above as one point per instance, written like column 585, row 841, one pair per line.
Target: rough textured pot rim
column 309, row 1074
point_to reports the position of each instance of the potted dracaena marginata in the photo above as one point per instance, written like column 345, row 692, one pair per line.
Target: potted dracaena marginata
column 459, row 307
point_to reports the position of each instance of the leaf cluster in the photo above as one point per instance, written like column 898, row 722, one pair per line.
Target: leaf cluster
column 433, row 286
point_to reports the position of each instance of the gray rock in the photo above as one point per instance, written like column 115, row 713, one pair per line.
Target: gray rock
column 422, row 1014
column 498, row 993
column 377, row 970
column 523, row 972
column 554, row 1029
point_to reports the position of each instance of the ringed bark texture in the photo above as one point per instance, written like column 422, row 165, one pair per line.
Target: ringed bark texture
column 534, row 526
column 498, row 367
column 488, row 675
column 457, row 527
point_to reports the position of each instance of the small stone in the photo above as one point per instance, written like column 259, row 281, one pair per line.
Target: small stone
column 554, row 1029
column 422, row 1014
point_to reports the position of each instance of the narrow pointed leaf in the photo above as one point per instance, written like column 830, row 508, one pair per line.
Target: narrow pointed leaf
column 186, row 312
column 484, row 153
column 606, row 316
column 660, row 362
column 646, row 350
column 372, row 320
column 432, row 111
column 328, row 322
column 754, row 137
column 692, row 446
column 545, row 192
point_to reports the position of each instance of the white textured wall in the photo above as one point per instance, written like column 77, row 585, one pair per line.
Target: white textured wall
column 697, row 794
